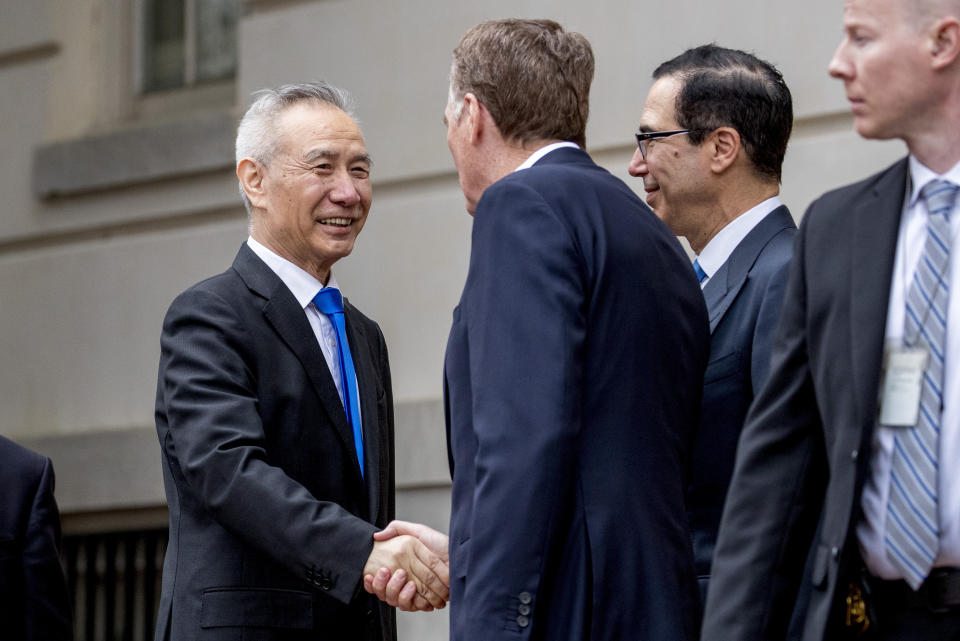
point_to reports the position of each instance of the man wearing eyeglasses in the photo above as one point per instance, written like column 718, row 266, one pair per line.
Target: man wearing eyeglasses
column 860, row 419
column 712, row 138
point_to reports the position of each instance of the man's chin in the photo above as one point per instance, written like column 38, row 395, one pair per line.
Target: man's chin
column 870, row 130
column 335, row 248
column 654, row 204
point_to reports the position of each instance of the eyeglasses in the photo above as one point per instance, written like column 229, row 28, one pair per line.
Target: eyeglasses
column 642, row 138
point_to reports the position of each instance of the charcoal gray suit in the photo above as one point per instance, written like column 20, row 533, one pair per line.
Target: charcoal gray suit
column 270, row 520
column 804, row 454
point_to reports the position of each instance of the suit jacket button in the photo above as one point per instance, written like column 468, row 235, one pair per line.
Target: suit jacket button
column 854, row 454
column 524, row 598
column 325, row 584
column 523, row 621
column 834, row 551
column 524, row 609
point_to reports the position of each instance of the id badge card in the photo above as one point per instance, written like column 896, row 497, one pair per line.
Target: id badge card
column 902, row 384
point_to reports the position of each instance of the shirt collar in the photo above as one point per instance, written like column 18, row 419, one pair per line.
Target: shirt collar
column 303, row 285
column 718, row 250
column 543, row 151
column 920, row 175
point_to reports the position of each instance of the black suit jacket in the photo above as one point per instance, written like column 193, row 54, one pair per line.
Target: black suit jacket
column 573, row 376
column 34, row 602
column 805, row 451
column 743, row 302
column 270, row 521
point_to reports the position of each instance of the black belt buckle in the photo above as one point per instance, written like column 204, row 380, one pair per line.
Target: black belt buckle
column 940, row 592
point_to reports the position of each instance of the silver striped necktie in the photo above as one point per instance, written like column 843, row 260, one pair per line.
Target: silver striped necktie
column 913, row 527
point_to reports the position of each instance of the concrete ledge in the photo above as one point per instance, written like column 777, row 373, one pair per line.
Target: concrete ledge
column 25, row 26
column 421, row 445
column 194, row 145
column 40, row 51
column 113, row 470
column 120, row 469
column 252, row 6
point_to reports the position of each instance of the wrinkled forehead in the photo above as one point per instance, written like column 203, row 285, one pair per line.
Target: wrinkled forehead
column 311, row 125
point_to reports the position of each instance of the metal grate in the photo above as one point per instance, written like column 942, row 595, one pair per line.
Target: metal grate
column 114, row 583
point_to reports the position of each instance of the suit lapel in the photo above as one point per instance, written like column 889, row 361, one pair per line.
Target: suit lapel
column 719, row 293
column 876, row 225
column 284, row 313
column 366, row 380
column 722, row 289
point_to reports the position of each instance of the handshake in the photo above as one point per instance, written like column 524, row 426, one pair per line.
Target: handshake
column 409, row 567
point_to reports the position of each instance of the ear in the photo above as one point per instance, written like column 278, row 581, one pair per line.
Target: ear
column 250, row 173
column 724, row 147
column 475, row 113
column 945, row 42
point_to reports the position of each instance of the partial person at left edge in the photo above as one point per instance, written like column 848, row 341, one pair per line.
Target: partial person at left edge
column 34, row 601
column 274, row 406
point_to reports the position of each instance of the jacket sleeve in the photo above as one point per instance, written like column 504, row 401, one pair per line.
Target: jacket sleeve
column 526, row 333
column 46, row 599
column 767, row 321
column 216, row 444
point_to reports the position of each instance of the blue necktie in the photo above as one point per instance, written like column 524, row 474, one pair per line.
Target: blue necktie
column 329, row 301
column 698, row 270
column 913, row 524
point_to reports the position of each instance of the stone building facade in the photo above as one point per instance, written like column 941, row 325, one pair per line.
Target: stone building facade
column 116, row 198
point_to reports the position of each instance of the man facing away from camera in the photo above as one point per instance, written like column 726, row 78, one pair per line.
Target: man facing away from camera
column 573, row 368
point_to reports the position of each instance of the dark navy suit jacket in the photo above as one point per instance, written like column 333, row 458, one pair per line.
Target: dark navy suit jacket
column 34, row 603
column 270, row 520
column 573, row 376
column 743, row 301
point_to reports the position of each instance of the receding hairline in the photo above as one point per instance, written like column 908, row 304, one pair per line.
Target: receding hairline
column 281, row 127
column 921, row 13
column 678, row 82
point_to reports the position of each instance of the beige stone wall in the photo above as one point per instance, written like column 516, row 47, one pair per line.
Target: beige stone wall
column 85, row 277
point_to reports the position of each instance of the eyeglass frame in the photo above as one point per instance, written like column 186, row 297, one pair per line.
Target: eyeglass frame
column 642, row 137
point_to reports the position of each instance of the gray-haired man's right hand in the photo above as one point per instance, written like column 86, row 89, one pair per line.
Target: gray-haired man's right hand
column 403, row 586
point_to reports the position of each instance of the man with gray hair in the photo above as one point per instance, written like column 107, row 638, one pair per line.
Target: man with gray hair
column 274, row 407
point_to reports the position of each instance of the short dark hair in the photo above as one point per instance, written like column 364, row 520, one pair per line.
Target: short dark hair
column 730, row 88
column 532, row 76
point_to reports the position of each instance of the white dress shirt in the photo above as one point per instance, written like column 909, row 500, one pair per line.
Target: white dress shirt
column 872, row 529
column 543, row 151
column 304, row 287
column 718, row 250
